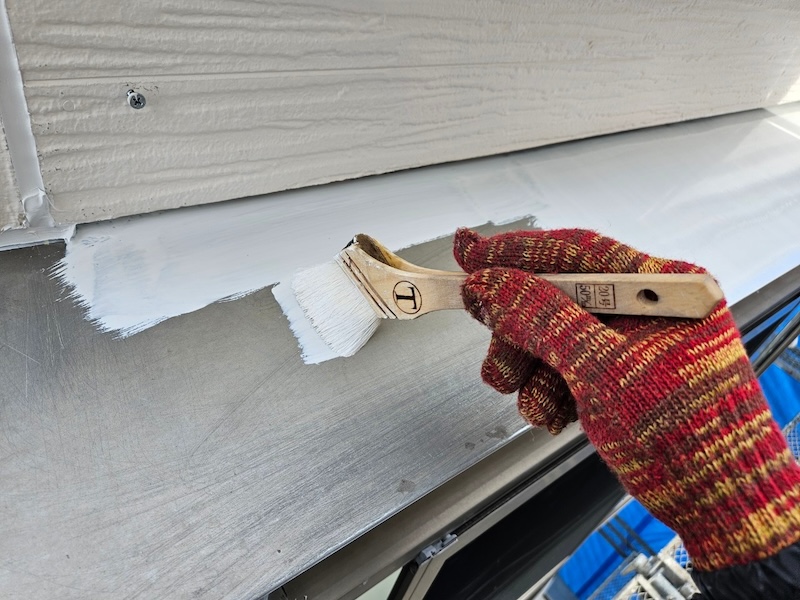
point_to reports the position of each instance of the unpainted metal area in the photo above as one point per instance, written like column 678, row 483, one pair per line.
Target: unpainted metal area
column 202, row 458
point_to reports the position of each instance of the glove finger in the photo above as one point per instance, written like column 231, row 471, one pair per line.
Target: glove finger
column 558, row 251
column 506, row 368
column 529, row 313
column 545, row 401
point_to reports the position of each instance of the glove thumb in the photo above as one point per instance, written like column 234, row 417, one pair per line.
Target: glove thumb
column 530, row 313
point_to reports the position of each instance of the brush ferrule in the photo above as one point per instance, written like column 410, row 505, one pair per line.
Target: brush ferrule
column 355, row 264
column 395, row 288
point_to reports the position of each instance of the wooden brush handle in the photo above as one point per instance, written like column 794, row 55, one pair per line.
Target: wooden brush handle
column 401, row 290
column 687, row 295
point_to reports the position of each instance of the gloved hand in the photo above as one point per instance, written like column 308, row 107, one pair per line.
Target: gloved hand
column 671, row 405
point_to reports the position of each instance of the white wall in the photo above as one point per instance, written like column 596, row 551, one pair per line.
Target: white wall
column 247, row 97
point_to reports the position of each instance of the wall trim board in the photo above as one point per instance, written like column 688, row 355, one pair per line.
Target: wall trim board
column 28, row 195
column 11, row 215
column 246, row 98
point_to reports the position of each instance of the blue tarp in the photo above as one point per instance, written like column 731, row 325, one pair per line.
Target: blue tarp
column 595, row 559
column 782, row 392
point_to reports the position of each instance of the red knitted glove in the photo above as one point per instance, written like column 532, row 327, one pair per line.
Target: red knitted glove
column 672, row 406
column 544, row 400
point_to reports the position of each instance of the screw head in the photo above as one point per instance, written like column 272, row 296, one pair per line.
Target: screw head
column 136, row 100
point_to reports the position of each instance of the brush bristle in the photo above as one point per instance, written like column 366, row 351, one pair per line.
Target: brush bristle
column 335, row 307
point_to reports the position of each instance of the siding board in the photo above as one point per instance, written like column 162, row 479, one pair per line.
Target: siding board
column 252, row 97
column 93, row 38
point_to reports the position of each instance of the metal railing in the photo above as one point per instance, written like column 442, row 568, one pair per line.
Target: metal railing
column 792, row 433
column 665, row 576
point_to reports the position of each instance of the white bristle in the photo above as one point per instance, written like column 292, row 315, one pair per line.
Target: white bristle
column 313, row 350
column 335, row 307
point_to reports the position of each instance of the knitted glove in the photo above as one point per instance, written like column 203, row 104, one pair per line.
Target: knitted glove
column 671, row 405
column 544, row 400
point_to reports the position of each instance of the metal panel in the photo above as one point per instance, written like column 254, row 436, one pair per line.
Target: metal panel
column 398, row 540
column 202, row 458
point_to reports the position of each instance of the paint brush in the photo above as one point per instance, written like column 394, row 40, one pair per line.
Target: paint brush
column 345, row 299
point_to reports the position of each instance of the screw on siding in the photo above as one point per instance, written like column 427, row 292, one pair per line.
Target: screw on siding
column 136, row 100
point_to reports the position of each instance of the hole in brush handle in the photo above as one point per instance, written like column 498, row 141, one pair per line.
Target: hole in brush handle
column 647, row 296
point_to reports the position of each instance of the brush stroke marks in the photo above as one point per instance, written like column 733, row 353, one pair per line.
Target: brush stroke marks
column 719, row 192
column 132, row 273
column 313, row 349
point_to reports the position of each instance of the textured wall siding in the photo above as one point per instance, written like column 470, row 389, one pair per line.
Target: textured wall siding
column 248, row 97
column 10, row 206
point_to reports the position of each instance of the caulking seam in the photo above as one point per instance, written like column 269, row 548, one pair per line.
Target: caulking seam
column 19, row 134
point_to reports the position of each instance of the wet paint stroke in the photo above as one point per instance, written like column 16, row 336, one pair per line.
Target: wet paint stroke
column 130, row 274
column 719, row 192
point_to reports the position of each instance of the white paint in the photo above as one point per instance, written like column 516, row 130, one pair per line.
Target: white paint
column 11, row 239
column 720, row 192
column 10, row 205
column 133, row 273
column 19, row 135
column 340, row 315
column 313, row 349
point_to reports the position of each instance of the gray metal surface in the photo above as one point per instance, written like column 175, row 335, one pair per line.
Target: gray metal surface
column 201, row 458
column 395, row 542
column 428, row 570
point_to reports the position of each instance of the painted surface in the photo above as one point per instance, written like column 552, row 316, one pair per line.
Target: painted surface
column 11, row 211
column 25, row 192
column 133, row 273
column 247, row 97
column 10, row 207
column 89, row 39
column 22, row 237
column 710, row 192
column 24, row 208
